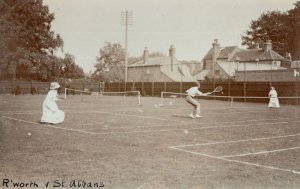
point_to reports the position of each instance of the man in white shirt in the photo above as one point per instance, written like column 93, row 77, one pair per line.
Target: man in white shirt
column 191, row 93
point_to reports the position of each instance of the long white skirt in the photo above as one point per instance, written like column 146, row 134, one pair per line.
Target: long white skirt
column 274, row 103
column 51, row 113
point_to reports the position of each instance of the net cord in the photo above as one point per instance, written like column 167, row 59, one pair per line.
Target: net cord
column 230, row 97
column 138, row 93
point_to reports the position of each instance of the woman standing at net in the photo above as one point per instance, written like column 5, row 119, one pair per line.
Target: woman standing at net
column 191, row 93
column 274, row 102
column 51, row 113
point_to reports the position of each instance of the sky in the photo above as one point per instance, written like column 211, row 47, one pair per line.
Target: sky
column 190, row 25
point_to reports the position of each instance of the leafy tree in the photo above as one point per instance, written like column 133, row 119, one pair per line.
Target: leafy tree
column 294, row 15
column 279, row 27
column 270, row 26
column 110, row 64
column 27, row 43
column 70, row 69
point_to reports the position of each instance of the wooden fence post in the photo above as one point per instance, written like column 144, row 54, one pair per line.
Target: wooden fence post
column 12, row 87
column 152, row 88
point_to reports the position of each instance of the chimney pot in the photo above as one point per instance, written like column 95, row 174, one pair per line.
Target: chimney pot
column 172, row 55
column 145, row 55
column 268, row 46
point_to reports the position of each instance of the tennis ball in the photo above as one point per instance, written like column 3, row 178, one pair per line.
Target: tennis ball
column 29, row 134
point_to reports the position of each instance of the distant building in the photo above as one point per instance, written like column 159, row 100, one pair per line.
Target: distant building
column 224, row 62
column 295, row 64
column 159, row 69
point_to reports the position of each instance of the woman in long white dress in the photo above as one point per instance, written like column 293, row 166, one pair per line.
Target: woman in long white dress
column 274, row 102
column 51, row 113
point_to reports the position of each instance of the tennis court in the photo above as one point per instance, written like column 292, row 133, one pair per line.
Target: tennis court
column 114, row 141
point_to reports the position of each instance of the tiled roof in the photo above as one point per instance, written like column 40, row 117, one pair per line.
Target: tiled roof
column 224, row 52
column 152, row 61
column 181, row 72
column 244, row 54
column 252, row 54
column 201, row 75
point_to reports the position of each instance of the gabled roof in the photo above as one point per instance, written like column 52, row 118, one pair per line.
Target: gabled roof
column 155, row 61
column 201, row 75
column 244, row 54
column 180, row 71
column 223, row 54
column 251, row 55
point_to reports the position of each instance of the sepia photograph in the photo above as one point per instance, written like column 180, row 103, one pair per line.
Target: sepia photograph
column 150, row 94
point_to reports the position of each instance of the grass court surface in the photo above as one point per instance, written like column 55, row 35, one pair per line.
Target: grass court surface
column 113, row 140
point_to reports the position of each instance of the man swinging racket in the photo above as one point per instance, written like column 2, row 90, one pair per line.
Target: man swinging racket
column 192, row 92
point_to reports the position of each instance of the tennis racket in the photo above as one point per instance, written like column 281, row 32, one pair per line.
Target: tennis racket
column 217, row 90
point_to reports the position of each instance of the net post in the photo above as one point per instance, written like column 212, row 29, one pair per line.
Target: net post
column 65, row 93
column 139, row 98
column 231, row 102
column 161, row 97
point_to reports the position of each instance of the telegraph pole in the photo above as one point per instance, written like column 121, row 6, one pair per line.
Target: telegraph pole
column 126, row 19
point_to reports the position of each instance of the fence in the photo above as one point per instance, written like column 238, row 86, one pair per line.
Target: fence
column 256, row 89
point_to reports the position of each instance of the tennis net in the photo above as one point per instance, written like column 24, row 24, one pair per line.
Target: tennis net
column 172, row 98
column 87, row 94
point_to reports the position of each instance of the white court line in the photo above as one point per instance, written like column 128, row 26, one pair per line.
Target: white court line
column 167, row 130
column 194, row 127
column 236, row 141
column 148, row 131
column 236, row 161
column 52, row 126
column 133, row 115
column 128, row 127
column 240, row 121
column 147, row 117
column 261, row 152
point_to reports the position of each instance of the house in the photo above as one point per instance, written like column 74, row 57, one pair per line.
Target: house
column 159, row 69
column 224, row 62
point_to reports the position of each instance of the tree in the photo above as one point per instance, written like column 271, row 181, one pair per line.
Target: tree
column 294, row 15
column 70, row 69
column 279, row 27
column 27, row 43
column 110, row 64
column 270, row 26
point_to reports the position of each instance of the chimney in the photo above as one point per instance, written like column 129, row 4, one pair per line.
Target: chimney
column 216, row 50
column 215, row 54
column 172, row 55
column 268, row 46
column 145, row 55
